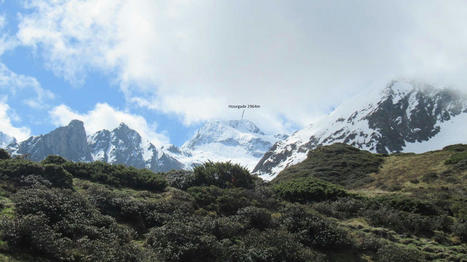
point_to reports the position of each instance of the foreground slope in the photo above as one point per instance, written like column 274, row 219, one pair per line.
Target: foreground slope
column 398, row 210
column 404, row 116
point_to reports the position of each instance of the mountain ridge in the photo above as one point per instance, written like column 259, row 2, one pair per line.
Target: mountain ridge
column 402, row 115
column 123, row 145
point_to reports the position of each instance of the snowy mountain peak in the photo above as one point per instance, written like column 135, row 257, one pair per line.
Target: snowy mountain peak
column 229, row 133
column 239, row 141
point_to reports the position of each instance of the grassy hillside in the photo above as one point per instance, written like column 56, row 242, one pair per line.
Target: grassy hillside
column 339, row 163
column 341, row 204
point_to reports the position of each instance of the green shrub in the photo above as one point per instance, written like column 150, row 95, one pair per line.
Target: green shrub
column 338, row 164
column 271, row 246
column 456, row 158
column 16, row 170
column 226, row 227
column 341, row 208
column 180, row 179
column 31, row 233
column 408, row 204
column 313, row 230
column 403, row 222
column 141, row 214
column 222, row 201
column 184, row 241
column 54, row 159
column 117, row 175
column 4, row 154
column 255, row 217
column 460, row 229
column 223, row 175
column 58, row 176
column 459, row 209
column 392, row 253
column 308, row 189
column 60, row 224
column 456, row 148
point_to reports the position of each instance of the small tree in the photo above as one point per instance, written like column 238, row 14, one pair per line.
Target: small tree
column 223, row 175
column 4, row 154
column 54, row 159
column 58, row 176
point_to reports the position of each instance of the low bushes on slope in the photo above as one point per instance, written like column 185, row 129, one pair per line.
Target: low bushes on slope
column 308, row 189
column 223, row 175
column 338, row 163
column 61, row 225
column 21, row 171
column 117, row 175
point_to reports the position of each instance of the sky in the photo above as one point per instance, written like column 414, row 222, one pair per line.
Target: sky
column 166, row 67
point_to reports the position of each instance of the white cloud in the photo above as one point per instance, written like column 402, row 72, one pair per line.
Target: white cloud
column 6, row 126
column 2, row 20
column 7, row 42
column 294, row 58
column 13, row 84
column 103, row 116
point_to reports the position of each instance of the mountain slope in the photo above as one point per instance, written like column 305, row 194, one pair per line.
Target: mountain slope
column 403, row 116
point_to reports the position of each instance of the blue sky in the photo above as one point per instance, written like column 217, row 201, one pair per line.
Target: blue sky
column 83, row 97
column 166, row 67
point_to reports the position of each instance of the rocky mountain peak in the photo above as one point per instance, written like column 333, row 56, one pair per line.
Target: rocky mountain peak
column 78, row 124
column 69, row 142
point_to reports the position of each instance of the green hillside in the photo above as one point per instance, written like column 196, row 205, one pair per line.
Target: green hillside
column 341, row 204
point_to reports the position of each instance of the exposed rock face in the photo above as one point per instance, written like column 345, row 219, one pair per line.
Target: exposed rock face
column 68, row 141
column 405, row 116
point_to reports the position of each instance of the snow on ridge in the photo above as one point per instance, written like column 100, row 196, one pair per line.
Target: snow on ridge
column 449, row 135
column 147, row 149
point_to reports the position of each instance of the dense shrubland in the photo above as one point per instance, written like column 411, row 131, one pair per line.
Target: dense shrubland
column 58, row 210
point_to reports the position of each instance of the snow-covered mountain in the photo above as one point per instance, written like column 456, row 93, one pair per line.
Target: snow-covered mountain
column 404, row 116
column 239, row 141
